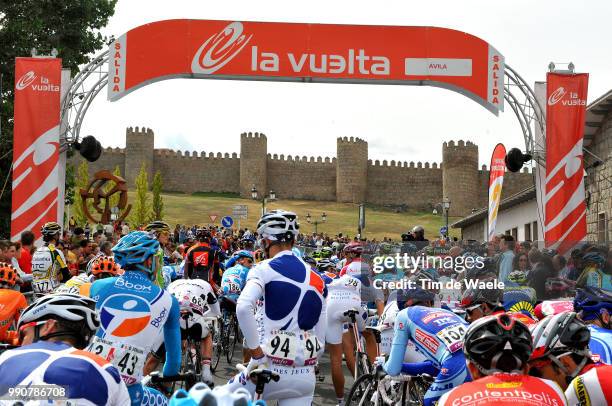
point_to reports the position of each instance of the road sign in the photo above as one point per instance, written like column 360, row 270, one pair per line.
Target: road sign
column 240, row 211
column 227, row 221
column 443, row 230
column 213, row 217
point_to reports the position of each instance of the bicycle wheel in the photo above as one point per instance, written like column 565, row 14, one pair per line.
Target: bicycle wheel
column 363, row 391
column 232, row 338
column 416, row 391
column 218, row 337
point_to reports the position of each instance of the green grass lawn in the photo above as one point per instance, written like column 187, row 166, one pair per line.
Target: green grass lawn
column 341, row 217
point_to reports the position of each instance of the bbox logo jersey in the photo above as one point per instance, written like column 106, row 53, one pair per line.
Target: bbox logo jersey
column 124, row 315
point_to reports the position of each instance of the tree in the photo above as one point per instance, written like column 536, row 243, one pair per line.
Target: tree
column 81, row 181
column 70, row 26
column 141, row 211
column 158, row 202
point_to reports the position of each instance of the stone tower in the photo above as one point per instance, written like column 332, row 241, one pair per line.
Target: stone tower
column 253, row 164
column 351, row 170
column 138, row 149
column 460, row 176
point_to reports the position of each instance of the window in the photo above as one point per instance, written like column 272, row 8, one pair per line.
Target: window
column 534, row 228
column 527, row 232
column 602, row 228
column 515, row 233
column 507, row 232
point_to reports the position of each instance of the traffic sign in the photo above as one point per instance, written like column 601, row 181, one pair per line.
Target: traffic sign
column 443, row 230
column 227, row 221
column 240, row 211
column 213, row 217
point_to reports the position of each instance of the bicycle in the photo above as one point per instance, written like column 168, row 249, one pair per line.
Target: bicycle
column 363, row 365
column 156, row 381
column 229, row 333
column 380, row 389
column 192, row 355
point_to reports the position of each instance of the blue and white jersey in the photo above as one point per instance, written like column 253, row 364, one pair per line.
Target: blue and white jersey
column 437, row 333
column 88, row 378
column 233, row 280
column 293, row 308
column 601, row 344
column 133, row 312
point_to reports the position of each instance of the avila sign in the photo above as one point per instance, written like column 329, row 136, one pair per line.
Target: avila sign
column 307, row 53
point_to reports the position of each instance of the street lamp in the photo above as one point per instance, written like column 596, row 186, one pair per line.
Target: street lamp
column 270, row 198
column 316, row 222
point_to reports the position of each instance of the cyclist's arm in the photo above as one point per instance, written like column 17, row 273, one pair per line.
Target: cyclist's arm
column 245, row 311
column 321, row 327
column 64, row 271
column 393, row 366
column 172, row 340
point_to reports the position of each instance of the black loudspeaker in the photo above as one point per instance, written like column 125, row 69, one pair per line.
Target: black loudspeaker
column 90, row 148
column 515, row 159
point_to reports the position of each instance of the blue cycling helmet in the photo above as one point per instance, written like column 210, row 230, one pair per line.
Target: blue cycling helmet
column 244, row 254
column 248, row 238
column 594, row 257
column 202, row 395
column 590, row 301
column 417, row 295
column 135, row 248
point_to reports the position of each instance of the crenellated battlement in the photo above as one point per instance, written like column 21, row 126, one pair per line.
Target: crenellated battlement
column 352, row 140
column 301, row 159
column 404, row 164
column 170, row 153
column 139, row 131
column 254, row 135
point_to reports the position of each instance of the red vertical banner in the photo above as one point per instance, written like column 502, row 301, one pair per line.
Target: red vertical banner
column 496, row 182
column 35, row 144
column 565, row 208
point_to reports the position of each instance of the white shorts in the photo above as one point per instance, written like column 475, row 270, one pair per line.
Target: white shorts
column 294, row 388
column 336, row 318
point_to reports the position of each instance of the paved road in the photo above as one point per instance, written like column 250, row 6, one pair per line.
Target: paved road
column 324, row 392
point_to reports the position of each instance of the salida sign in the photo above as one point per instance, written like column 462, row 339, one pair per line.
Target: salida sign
column 309, row 53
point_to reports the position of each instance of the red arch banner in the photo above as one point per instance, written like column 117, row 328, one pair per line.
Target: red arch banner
column 308, row 53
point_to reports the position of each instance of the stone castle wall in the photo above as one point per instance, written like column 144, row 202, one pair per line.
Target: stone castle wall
column 351, row 177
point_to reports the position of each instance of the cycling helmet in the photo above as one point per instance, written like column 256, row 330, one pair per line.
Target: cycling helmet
column 50, row 229
column 518, row 277
column 416, row 296
column 590, row 301
column 558, row 335
column 248, row 239
column 64, row 306
column 325, row 263
column 104, row 265
column 552, row 307
column 497, row 343
column 353, row 248
column 202, row 234
column 595, row 258
column 157, row 227
column 8, row 274
column 418, row 229
column 326, row 252
column 278, row 226
column 201, row 395
column 317, row 255
column 475, row 296
column 133, row 249
column 244, row 254
column 309, row 260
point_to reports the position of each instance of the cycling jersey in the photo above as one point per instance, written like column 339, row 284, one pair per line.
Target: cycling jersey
column 592, row 388
column 88, row 378
column 552, row 307
column 506, row 389
column 78, row 285
column 192, row 295
column 293, row 323
column 600, row 344
column 133, row 311
column 328, row 277
column 355, row 268
column 12, row 304
column 48, row 269
column 386, row 323
column 344, row 294
column 596, row 278
column 438, row 334
column 233, row 280
column 201, row 263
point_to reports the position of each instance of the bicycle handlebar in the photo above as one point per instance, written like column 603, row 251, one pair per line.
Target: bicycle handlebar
column 156, row 378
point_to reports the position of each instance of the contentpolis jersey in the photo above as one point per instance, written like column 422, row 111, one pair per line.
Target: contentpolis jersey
column 506, row 390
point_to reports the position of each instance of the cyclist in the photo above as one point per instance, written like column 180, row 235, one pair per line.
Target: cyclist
column 354, row 266
column 197, row 299
column 596, row 273
column 12, row 303
column 49, row 267
column 594, row 307
column 325, row 269
column 248, row 243
column 133, row 311
column 293, row 309
column 344, row 294
column 591, row 388
column 437, row 333
column 54, row 331
column 560, row 349
column 479, row 302
column 234, row 278
column 201, row 261
column 161, row 231
column 497, row 349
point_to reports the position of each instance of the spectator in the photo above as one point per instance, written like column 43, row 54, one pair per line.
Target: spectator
column 541, row 270
column 78, row 235
column 125, row 229
column 108, row 230
column 560, row 266
column 85, row 254
column 106, row 248
column 521, row 263
column 87, row 231
column 506, row 246
column 25, row 257
column 71, row 223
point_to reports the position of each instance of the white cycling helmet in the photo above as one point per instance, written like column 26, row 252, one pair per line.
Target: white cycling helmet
column 64, row 306
column 278, row 225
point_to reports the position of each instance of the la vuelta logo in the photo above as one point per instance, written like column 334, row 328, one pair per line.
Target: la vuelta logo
column 559, row 96
column 26, row 80
column 219, row 49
